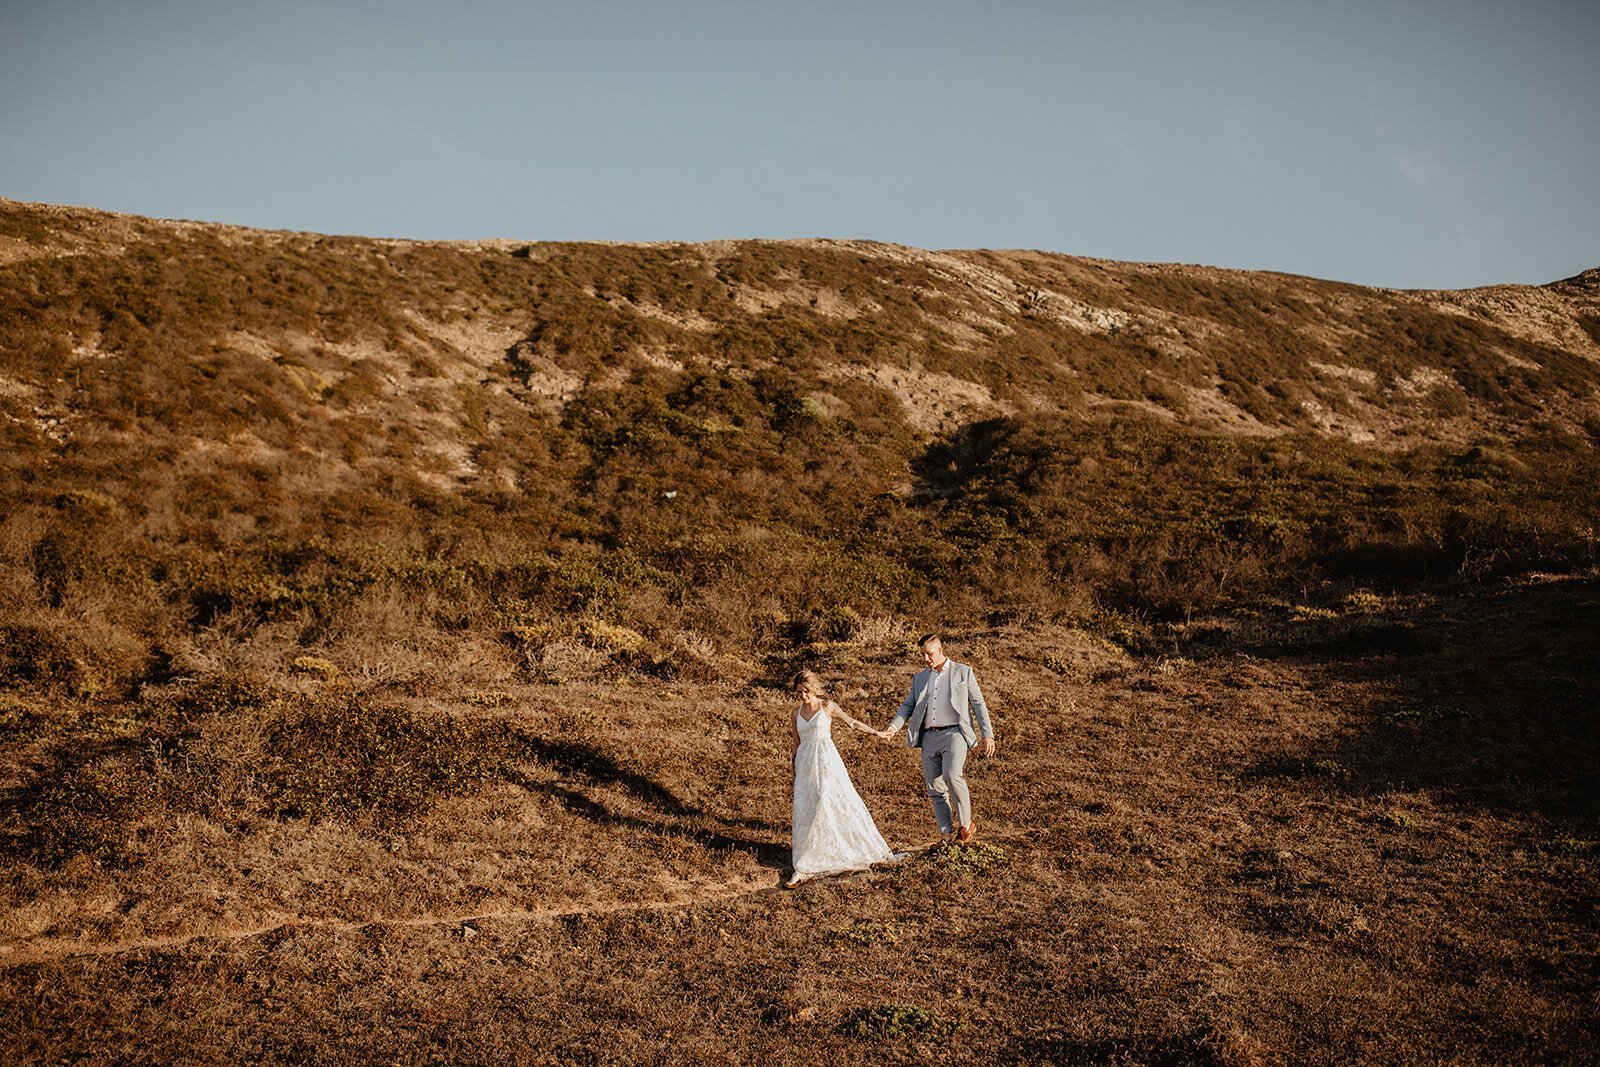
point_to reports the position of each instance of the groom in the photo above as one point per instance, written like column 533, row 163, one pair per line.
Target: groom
column 938, row 715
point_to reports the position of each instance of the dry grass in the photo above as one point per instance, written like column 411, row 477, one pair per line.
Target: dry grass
column 392, row 637
column 1285, row 850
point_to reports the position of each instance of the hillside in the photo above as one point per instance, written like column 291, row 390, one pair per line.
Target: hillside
column 393, row 638
column 233, row 388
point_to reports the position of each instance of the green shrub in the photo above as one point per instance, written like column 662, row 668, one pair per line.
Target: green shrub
column 346, row 757
column 315, row 667
column 1572, row 846
column 976, row 857
column 870, row 932
column 1330, row 769
column 24, row 719
column 834, row 622
column 100, row 810
column 220, row 695
column 46, row 658
column 899, row 1022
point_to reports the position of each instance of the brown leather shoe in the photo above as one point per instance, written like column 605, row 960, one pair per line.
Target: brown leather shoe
column 968, row 832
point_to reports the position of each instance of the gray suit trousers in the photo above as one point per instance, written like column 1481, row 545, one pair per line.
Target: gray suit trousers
column 944, row 760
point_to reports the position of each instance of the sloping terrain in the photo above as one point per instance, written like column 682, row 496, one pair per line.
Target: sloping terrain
column 1368, row 836
column 394, row 636
column 260, row 409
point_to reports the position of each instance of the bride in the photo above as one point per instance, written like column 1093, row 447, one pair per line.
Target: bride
column 833, row 830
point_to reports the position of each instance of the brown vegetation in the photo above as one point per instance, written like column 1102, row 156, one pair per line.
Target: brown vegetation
column 390, row 635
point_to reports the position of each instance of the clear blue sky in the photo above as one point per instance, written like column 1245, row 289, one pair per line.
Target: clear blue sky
column 1415, row 144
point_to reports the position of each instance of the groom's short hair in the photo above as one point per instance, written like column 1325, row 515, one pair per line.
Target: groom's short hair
column 922, row 642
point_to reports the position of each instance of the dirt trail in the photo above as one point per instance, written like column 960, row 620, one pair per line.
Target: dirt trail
column 48, row 950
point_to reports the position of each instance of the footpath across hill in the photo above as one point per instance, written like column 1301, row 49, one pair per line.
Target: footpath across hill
column 1314, row 833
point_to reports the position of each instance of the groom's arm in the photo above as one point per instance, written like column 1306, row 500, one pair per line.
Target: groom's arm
column 980, row 711
column 903, row 714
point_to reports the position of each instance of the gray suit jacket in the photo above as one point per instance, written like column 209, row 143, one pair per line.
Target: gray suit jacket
column 964, row 694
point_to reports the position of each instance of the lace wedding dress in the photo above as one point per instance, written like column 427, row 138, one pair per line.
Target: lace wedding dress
column 833, row 831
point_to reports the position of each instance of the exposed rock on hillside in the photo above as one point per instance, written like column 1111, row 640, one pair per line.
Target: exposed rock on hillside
column 1228, row 351
column 612, row 418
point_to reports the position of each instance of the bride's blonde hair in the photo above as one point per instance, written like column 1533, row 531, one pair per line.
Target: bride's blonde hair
column 807, row 682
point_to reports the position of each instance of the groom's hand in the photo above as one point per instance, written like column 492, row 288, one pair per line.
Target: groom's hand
column 987, row 747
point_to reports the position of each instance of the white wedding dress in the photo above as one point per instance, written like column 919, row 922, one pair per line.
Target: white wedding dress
column 833, row 831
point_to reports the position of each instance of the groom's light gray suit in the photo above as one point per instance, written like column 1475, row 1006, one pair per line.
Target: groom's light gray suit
column 944, row 752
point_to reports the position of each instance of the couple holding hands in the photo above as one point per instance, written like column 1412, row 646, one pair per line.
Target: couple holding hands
column 944, row 715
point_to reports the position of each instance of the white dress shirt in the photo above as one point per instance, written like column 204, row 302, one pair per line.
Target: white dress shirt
column 941, row 710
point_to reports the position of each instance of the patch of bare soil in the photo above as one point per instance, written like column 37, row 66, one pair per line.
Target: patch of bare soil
column 933, row 402
column 1323, row 833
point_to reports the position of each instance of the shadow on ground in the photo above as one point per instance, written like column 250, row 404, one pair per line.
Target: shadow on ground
column 1490, row 701
column 583, row 768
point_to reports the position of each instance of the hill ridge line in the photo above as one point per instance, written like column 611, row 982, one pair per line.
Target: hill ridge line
column 835, row 243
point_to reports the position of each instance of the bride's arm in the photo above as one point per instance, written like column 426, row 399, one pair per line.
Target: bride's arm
column 854, row 724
